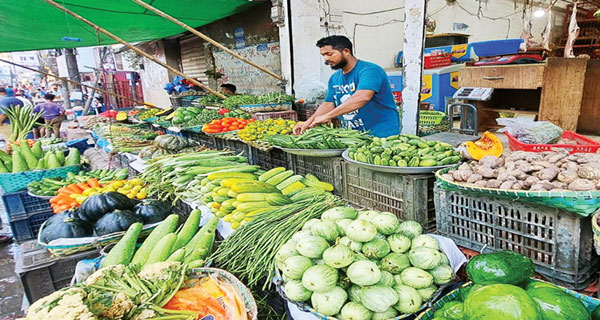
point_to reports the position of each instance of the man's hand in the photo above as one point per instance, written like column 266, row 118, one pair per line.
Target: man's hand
column 320, row 120
column 300, row 127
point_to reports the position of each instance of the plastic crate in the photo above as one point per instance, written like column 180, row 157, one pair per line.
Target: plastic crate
column 496, row 47
column 235, row 146
column 559, row 242
column 26, row 227
column 287, row 115
column 410, row 197
column 437, row 61
column 80, row 144
column 175, row 102
column 21, row 203
column 171, row 132
column 202, row 138
column 326, row 169
column 587, row 145
column 188, row 101
column 41, row 274
column 270, row 159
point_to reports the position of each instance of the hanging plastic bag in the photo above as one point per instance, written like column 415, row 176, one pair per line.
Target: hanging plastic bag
column 310, row 88
column 529, row 131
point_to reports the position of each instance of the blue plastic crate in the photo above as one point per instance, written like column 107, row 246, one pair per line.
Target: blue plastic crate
column 26, row 227
column 496, row 47
column 21, row 203
column 179, row 134
column 80, row 144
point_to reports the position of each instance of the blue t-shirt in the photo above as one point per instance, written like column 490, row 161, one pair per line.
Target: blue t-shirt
column 379, row 115
column 5, row 102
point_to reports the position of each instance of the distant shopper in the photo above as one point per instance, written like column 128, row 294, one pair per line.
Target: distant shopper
column 53, row 114
column 5, row 102
column 228, row 89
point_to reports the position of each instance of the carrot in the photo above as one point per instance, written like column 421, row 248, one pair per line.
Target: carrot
column 64, row 190
column 83, row 186
column 74, row 188
column 93, row 182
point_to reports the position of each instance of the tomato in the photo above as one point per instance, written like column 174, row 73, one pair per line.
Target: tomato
column 251, row 120
column 233, row 128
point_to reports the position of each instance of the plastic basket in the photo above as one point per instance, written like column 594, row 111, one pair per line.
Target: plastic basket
column 431, row 118
column 589, row 302
column 270, row 159
column 236, row 146
column 438, row 61
column 175, row 101
column 12, row 182
column 586, row 145
column 325, row 169
column 21, row 203
column 26, row 227
column 287, row 115
column 80, row 144
column 584, row 203
column 410, row 197
column 558, row 242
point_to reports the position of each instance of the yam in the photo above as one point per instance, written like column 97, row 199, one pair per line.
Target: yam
column 510, row 165
column 582, row 185
column 571, row 166
column 489, row 161
column 502, row 176
column 530, row 181
column 517, row 155
column 474, row 178
column 567, row 176
column 531, row 157
column 506, row 185
column 589, row 171
column 448, row 177
column 520, row 175
column 548, row 174
column 487, row 172
column 461, row 175
column 526, row 167
column 480, row 183
column 465, row 166
column 518, row 185
column 493, row 184
column 559, row 185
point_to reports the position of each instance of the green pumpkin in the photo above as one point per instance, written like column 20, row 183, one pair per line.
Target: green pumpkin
column 115, row 221
column 152, row 211
column 65, row 224
column 94, row 207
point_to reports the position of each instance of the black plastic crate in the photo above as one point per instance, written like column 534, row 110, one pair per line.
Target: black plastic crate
column 270, row 159
column 410, row 197
column 236, row 146
column 203, row 139
column 326, row 169
column 26, row 227
column 41, row 274
column 559, row 243
column 21, row 203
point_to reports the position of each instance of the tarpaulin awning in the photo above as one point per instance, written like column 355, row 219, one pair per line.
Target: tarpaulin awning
column 36, row 25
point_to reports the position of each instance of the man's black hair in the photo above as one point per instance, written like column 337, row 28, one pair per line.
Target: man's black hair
column 229, row 87
column 2, row 90
column 49, row 96
column 337, row 42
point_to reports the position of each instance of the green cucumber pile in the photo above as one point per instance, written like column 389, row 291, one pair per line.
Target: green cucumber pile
column 405, row 150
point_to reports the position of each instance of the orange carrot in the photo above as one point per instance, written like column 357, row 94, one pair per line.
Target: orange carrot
column 75, row 188
column 93, row 182
column 83, row 186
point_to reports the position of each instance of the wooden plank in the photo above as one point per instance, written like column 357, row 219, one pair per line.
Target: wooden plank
column 528, row 112
column 527, row 76
column 589, row 119
column 563, row 91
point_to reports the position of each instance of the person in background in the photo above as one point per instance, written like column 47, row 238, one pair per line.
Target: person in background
column 10, row 92
column 26, row 102
column 5, row 102
column 228, row 89
column 53, row 114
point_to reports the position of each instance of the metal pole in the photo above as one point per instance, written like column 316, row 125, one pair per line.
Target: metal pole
column 137, row 50
column 90, row 98
column 81, row 84
column 206, row 38
column 412, row 63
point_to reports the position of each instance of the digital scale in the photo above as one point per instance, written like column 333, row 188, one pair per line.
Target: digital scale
column 467, row 111
column 474, row 93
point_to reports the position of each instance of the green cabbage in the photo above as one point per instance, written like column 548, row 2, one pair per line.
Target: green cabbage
column 368, row 215
column 376, row 248
column 410, row 229
column 395, row 262
column 425, row 241
column 320, row 278
column 364, row 273
column 297, row 237
column 388, row 314
column 452, row 310
column 338, row 256
column 398, row 279
column 427, row 293
column 339, row 213
column 399, row 243
column 325, row 229
column 361, row 231
column 416, row 278
column 424, row 258
column 445, row 259
column 378, row 298
column 354, row 293
column 355, row 311
column 386, row 223
column 329, row 302
column 556, row 304
column 295, row 291
column 287, row 250
column 502, row 267
column 442, row 274
column 309, row 223
column 387, row 279
column 501, row 302
column 409, row 299
column 353, row 245
column 312, row 246
column 342, row 225
column 294, row 267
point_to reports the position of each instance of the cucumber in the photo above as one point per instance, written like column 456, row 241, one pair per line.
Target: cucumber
column 271, row 173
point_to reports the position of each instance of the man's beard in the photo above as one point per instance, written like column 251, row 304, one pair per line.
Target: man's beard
column 340, row 65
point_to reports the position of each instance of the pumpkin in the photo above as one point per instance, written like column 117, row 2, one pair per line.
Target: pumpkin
column 152, row 211
column 115, row 221
column 94, row 207
column 65, row 224
column 488, row 145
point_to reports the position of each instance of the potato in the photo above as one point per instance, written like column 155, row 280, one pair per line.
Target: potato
column 533, row 156
column 567, row 176
column 474, row 178
column 465, row 166
column 487, row 172
column 502, row 176
column 517, row 155
column 525, row 167
column 510, row 165
column 559, row 185
column 582, row 185
column 571, row 166
column 542, row 186
column 520, row 175
column 518, row 185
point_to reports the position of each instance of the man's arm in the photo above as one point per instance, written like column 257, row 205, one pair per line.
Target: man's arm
column 356, row 101
column 324, row 108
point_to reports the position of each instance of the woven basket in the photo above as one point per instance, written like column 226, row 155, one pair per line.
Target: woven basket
column 242, row 291
column 582, row 203
column 589, row 302
column 13, row 182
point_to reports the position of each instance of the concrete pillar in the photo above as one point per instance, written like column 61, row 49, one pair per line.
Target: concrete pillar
column 412, row 64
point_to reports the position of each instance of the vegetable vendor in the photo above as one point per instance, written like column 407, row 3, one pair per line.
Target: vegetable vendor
column 358, row 94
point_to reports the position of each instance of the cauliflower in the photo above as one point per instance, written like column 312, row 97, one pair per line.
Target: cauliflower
column 160, row 270
column 64, row 304
column 144, row 314
column 108, row 304
column 98, row 276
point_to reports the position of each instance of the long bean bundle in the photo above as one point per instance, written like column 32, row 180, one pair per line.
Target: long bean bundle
column 250, row 251
column 22, row 119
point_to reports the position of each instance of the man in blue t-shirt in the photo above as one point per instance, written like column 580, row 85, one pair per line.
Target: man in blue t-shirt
column 359, row 93
column 5, row 102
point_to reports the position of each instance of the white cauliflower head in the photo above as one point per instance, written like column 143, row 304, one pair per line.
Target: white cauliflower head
column 64, row 304
column 99, row 275
column 159, row 270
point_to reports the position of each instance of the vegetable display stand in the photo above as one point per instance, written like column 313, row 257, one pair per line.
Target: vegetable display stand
column 11, row 182
column 203, row 139
column 26, row 227
column 41, row 274
column 559, row 242
column 236, row 146
column 270, row 159
column 410, row 197
column 326, row 169
column 287, row 115
column 21, row 203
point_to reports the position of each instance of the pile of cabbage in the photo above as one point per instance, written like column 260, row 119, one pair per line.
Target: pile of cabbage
column 362, row 265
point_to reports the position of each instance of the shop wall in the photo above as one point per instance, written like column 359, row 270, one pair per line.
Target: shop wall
column 154, row 76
